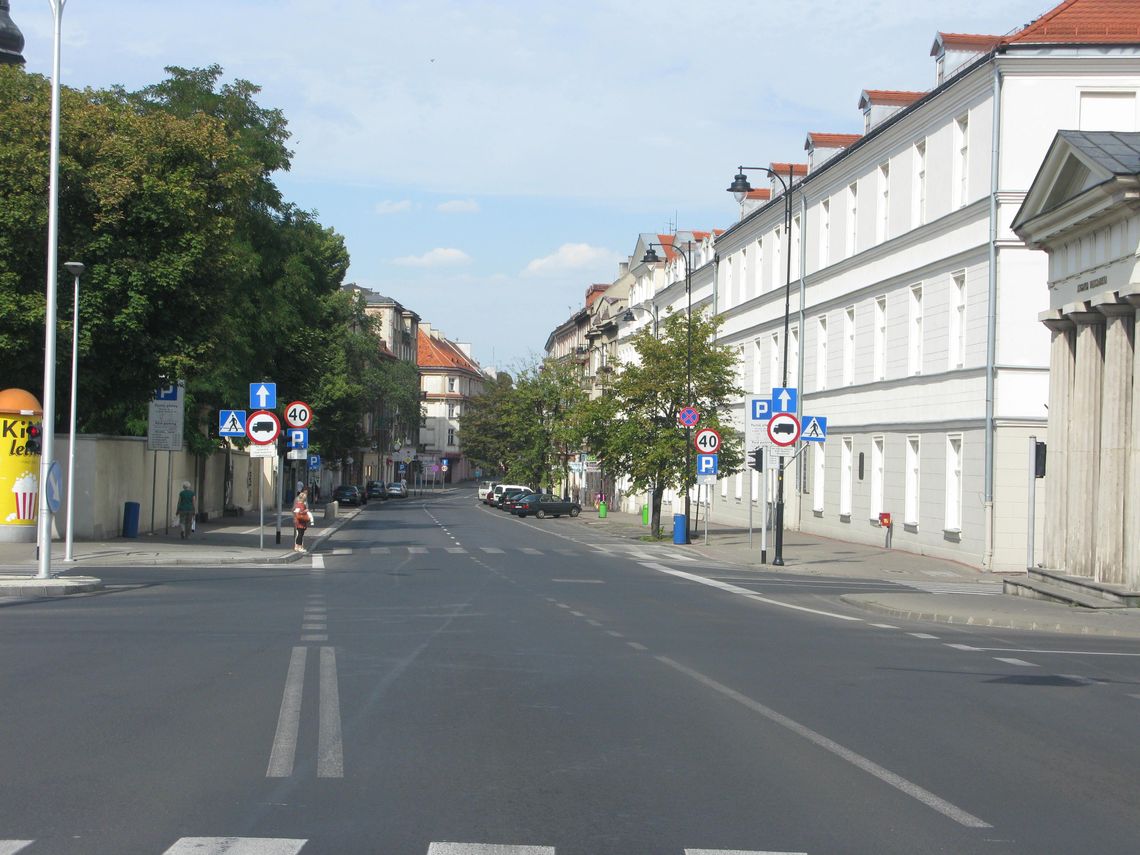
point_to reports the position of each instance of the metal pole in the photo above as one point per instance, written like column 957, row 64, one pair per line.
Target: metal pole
column 763, row 508
column 750, row 500
column 169, row 478
column 278, row 486
column 778, row 560
column 43, row 526
column 689, row 465
column 69, row 537
column 260, row 506
column 1029, row 562
column 153, row 491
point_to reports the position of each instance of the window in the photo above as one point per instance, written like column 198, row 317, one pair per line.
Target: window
column 953, row 482
column 795, row 247
column 450, row 437
column 852, row 218
column 821, row 353
column 918, row 191
column 825, row 233
column 818, row 475
column 758, row 268
column 958, row 320
column 450, row 384
column 742, row 288
column 961, row 160
column 724, row 488
column 451, row 411
column 910, row 499
column 779, row 275
column 774, row 359
column 728, row 282
column 883, row 222
column 845, row 473
column 755, row 485
column 849, row 346
column 914, row 338
column 739, row 485
column 793, row 357
column 757, row 367
column 880, row 354
column 877, row 470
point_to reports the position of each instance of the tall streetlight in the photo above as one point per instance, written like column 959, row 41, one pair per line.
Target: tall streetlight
column 740, row 188
column 629, row 317
column 75, row 268
column 651, row 257
column 43, row 528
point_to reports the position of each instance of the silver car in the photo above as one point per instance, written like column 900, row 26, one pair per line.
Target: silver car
column 398, row 490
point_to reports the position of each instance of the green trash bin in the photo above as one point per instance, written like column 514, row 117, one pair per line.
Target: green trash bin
column 602, row 510
column 645, row 514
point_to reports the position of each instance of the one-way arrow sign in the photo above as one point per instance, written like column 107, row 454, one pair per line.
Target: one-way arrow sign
column 262, row 396
column 784, row 400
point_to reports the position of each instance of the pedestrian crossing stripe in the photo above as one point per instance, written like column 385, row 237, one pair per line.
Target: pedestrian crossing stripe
column 294, row 846
column 235, row 846
column 11, row 847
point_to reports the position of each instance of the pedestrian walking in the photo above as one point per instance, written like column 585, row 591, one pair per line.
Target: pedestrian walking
column 185, row 510
column 302, row 519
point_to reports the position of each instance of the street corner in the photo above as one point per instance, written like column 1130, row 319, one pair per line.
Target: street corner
column 55, row 586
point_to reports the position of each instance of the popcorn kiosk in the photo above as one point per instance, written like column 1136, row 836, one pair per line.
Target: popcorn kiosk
column 21, row 429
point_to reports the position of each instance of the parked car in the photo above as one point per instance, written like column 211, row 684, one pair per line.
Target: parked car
column 497, row 493
column 509, row 500
column 542, row 505
column 363, row 494
column 347, row 494
column 376, row 490
column 398, row 490
column 484, row 490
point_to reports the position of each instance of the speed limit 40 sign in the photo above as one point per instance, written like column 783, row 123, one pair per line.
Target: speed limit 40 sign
column 707, row 441
column 298, row 414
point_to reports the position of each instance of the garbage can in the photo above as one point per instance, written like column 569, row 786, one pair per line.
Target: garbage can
column 680, row 528
column 131, row 519
column 602, row 510
column 645, row 514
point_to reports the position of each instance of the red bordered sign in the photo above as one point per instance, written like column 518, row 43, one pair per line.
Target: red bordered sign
column 783, row 430
column 707, row 441
column 262, row 427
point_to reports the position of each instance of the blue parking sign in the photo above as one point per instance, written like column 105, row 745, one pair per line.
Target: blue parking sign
column 707, row 464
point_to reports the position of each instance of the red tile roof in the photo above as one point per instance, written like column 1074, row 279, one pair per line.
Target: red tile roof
column 666, row 242
column 440, row 353
column 815, row 139
column 1091, row 21
column 763, row 193
column 782, row 168
column 964, row 41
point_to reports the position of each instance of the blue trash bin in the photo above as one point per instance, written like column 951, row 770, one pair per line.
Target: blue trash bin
column 131, row 519
column 680, row 529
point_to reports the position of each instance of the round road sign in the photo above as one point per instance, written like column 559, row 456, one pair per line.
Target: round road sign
column 783, row 429
column 262, row 427
column 707, row 441
column 298, row 414
column 688, row 417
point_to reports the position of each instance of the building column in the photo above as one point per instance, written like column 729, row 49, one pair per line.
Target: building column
column 1062, row 359
column 1084, row 443
column 1132, row 492
column 1115, row 438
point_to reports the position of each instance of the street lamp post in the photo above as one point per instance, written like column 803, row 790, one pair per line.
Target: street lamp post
column 629, row 318
column 651, row 257
column 75, row 268
column 740, row 188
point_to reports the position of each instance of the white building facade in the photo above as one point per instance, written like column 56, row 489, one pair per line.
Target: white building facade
column 449, row 379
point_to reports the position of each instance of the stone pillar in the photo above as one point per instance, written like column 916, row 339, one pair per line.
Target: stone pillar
column 1084, row 443
column 1062, row 359
column 1132, row 493
column 1115, row 438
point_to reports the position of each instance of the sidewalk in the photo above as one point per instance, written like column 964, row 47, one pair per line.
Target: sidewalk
column 811, row 555
column 236, row 541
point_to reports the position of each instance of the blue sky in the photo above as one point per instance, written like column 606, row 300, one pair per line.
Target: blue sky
column 487, row 161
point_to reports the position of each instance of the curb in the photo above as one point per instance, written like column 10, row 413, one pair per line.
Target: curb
column 55, row 587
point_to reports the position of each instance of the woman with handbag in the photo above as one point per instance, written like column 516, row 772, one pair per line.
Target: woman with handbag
column 302, row 519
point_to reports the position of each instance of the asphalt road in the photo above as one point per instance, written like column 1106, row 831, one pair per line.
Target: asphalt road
column 445, row 679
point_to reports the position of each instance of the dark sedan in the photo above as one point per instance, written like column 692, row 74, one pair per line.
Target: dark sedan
column 541, row 506
column 347, row 494
column 508, row 500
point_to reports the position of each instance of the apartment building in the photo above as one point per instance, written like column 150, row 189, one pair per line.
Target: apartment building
column 449, row 378
column 913, row 325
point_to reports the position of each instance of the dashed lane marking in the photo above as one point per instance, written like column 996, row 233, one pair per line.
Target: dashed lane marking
column 417, row 550
column 288, row 719
column 235, row 846
column 528, row 550
column 1009, row 660
column 923, row 635
column 636, row 646
column 492, row 550
column 883, row 626
column 581, row 581
column 486, row 849
column 11, row 847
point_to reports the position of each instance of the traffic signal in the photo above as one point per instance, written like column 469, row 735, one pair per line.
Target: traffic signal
column 34, row 438
column 756, row 460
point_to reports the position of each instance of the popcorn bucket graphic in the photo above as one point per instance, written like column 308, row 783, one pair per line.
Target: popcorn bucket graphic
column 19, row 469
column 26, row 491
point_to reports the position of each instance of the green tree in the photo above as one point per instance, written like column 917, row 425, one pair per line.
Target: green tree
column 644, row 441
column 485, row 428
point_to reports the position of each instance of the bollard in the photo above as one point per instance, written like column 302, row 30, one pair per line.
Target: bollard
column 602, row 510
column 645, row 514
column 331, row 509
column 680, row 529
column 131, row 519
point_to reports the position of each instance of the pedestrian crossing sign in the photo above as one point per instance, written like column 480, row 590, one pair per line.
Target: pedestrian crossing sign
column 815, row 429
column 231, row 423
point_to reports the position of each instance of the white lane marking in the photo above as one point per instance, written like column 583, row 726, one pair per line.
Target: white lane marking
column 1009, row 660
column 1137, row 697
column 235, row 846
column 318, row 626
column 592, row 622
column 11, row 847
column 576, row 614
column 314, row 638
column 342, row 550
column 937, row 573
column 492, row 550
column 417, row 550
column 581, row 581
column 737, row 852
column 318, row 562
column 289, row 719
column 923, row 635
column 752, row 595
column 457, row 550
column 962, row 646
column 530, row 550
column 486, row 849
column 885, row 775
column 614, row 634
column 636, row 646
column 977, row 589
column 1065, row 652
column 883, row 626
column 381, row 550
column 315, row 611
column 562, row 605
column 330, row 748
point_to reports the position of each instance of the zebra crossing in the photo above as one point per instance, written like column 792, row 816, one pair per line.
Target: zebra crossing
column 635, row 551
column 977, row 589
column 293, row 846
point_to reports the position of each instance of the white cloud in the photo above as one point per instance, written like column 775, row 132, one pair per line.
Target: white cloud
column 569, row 257
column 389, row 206
column 439, row 257
column 459, row 206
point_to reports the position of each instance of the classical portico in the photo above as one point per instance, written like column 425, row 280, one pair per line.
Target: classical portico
column 1083, row 209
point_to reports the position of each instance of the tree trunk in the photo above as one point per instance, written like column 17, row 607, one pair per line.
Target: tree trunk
column 655, row 499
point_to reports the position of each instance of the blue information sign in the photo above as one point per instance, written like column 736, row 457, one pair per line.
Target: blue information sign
column 314, row 461
column 708, row 464
column 262, row 396
column 297, row 437
column 784, row 399
column 814, row 429
column 231, row 423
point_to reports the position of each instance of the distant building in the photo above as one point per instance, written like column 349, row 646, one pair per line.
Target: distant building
column 449, row 379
